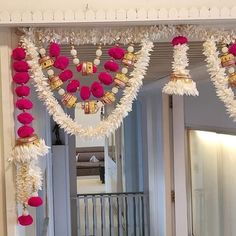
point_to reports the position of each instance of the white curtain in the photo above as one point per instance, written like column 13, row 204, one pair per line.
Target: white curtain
column 213, row 175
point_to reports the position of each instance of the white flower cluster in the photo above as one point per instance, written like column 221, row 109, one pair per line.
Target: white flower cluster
column 114, row 120
column 219, row 77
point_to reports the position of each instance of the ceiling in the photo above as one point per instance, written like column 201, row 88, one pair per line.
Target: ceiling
column 161, row 57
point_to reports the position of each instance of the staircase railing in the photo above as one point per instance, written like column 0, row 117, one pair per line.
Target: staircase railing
column 112, row 214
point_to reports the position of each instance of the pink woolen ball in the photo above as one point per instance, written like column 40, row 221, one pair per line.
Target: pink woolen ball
column 111, row 65
column 21, row 66
column 25, row 220
column 24, row 104
column 105, row 78
column 66, row 75
column 79, row 67
column 54, row 50
column 73, row 86
column 94, row 69
column 61, row 62
column 179, row 40
column 85, row 93
column 22, row 91
column 232, row 49
column 25, row 118
column 97, row 90
column 21, row 77
column 35, row 201
column 18, row 54
column 116, row 52
column 25, row 131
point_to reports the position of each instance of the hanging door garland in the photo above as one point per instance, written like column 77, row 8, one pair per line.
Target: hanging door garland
column 113, row 121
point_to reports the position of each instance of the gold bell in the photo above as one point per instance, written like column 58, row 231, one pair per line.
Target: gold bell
column 232, row 79
column 69, row 100
column 87, row 68
column 227, row 60
column 121, row 80
column 90, row 107
column 129, row 59
column 33, row 139
column 108, row 98
column 55, row 82
column 46, row 62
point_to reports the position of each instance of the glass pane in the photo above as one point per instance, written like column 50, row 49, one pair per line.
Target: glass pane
column 213, row 168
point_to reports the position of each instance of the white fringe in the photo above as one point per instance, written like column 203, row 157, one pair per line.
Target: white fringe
column 219, row 77
column 26, row 153
column 180, row 87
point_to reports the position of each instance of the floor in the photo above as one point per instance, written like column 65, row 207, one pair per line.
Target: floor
column 89, row 184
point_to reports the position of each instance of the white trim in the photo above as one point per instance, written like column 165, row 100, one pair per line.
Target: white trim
column 8, row 134
column 163, row 15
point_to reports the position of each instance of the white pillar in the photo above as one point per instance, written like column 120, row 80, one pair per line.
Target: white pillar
column 8, row 216
column 180, row 175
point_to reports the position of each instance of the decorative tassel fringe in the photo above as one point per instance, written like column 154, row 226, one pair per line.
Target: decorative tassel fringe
column 25, row 153
column 181, row 87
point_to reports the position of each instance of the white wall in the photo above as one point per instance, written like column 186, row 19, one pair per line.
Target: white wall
column 88, row 120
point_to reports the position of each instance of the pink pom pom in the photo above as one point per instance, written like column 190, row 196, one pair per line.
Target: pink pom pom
column 35, row 201
column 232, row 49
column 25, row 118
column 18, row 54
column 21, row 77
column 105, row 78
column 24, row 104
column 61, row 62
column 116, row 52
column 97, row 90
column 111, row 65
column 54, row 50
column 85, row 93
column 94, row 69
column 25, row 131
column 179, row 40
column 25, row 220
column 79, row 67
column 22, row 91
column 21, row 66
column 66, row 75
column 73, row 86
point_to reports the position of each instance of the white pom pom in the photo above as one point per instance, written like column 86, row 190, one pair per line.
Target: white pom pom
column 130, row 49
column 224, row 49
column 115, row 90
column 79, row 105
column 50, row 72
column 76, row 61
column 96, row 62
column 73, row 52
column 231, row 70
column 42, row 51
column 99, row 52
column 61, row 91
column 124, row 70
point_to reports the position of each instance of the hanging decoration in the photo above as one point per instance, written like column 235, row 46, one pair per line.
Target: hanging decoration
column 217, row 67
column 180, row 80
column 28, row 146
column 140, row 62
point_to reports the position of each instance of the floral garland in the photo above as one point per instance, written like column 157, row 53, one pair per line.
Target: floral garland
column 219, row 77
column 181, row 82
column 28, row 147
column 113, row 121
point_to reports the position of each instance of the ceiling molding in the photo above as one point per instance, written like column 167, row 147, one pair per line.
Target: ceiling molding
column 121, row 16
